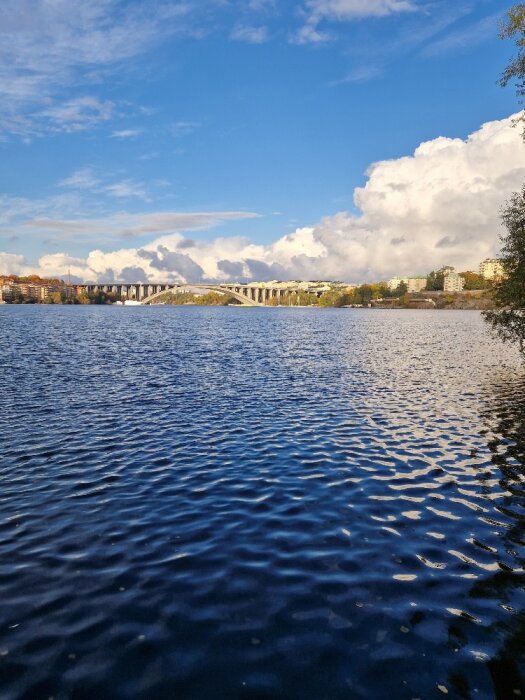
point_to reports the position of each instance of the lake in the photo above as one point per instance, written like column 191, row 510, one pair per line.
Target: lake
column 221, row 503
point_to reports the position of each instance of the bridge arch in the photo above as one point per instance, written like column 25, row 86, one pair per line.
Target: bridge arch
column 209, row 287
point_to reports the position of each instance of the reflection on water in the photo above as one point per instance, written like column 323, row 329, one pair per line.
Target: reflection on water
column 504, row 415
column 259, row 503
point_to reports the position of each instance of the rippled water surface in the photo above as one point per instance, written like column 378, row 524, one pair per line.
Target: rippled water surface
column 259, row 503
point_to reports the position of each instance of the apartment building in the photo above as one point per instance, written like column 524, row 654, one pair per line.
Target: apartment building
column 491, row 269
column 452, row 282
column 414, row 284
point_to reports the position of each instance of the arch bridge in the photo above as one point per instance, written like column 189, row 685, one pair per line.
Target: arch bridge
column 247, row 294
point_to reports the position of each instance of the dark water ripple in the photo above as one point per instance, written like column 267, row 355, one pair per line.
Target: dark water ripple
column 257, row 503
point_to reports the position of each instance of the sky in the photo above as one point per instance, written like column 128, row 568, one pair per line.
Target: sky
column 236, row 140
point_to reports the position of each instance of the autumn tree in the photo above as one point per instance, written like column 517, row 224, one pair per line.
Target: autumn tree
column 474, row 281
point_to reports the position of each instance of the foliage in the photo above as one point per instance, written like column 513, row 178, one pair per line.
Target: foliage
column 30, row 279
column 404, row 300
column 17, row 297
column 332, row 298
column 436, row 281
column 366, row 293
column 514, row 28
column 474, row 281
column 99, row 297
column 214, row 299
column 57, row 298
column 508, row 319
column 209, row 299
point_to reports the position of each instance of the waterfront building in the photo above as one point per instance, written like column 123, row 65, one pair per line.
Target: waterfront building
column 491, row 269
column 394, row 282
column 416, row 284
column 30, row 292
column 452, row 282
column 6, row 292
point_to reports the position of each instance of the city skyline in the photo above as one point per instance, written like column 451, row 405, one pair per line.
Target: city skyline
column 253, row 140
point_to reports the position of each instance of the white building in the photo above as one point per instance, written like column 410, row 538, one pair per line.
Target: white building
column 394, row 283
column 414, row 284
column 452, row 282
column 491, row 269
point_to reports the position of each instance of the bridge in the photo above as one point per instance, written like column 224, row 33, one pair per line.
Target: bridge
column 247, row 294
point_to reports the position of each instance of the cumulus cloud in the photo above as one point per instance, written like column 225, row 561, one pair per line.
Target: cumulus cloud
column 13, row 264
column 438, row 206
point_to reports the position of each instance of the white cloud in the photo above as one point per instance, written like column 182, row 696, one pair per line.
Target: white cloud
column 125, row 189
column 361, row 74
column 317, row 11
column 82, row 179
column 127, row 226
column 183, row 128
column 86, row 179
column 47, row 47
column 343, row 10
column 77, row 114
column 11, row 264
column 126, row 133
column 249, row 34
column 438, row 206
column 310, row 34
column 458, row 40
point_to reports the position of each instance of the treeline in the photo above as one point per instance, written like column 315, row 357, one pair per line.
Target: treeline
column 209, row 299
column 31, row 279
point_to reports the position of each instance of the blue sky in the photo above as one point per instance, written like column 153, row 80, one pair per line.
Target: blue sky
column 198, row 129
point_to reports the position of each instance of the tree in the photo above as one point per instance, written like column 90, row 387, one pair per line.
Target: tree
column 514, row 28
column 56, row 298
column 508, row 319
column 474, row 281
column 435, row 281
column 17, row 297
column 402, row 289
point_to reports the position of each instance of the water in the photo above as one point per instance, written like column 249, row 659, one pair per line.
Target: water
column 259, row 503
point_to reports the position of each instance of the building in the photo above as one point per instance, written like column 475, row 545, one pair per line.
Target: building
column 491, row 269
column 416, row 284
column 47, row 290
column 6, row 293
column 452, row 282
column 394, row 283
column 31, row 292
column 413, row 284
